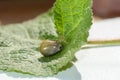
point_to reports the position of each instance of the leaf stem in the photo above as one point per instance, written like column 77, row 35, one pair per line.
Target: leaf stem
column 101, row 43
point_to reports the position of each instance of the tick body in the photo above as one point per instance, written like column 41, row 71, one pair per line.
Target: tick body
column 49, row 47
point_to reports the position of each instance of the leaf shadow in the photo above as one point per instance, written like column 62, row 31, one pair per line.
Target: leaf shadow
column 69, row 74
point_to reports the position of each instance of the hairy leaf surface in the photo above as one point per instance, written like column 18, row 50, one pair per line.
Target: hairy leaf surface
column 19, row 43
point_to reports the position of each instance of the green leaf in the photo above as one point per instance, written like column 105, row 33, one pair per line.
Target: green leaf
column 69, row 14
column 19, row 43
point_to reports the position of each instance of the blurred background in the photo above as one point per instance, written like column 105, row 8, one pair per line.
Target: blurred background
column 14, row 11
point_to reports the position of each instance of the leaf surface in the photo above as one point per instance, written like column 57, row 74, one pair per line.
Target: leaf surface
column 19, row 43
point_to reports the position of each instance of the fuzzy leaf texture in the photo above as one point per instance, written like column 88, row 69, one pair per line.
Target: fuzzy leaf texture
column 19, row 43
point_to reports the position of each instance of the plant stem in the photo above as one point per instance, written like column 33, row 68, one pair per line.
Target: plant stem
column 101, row 43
